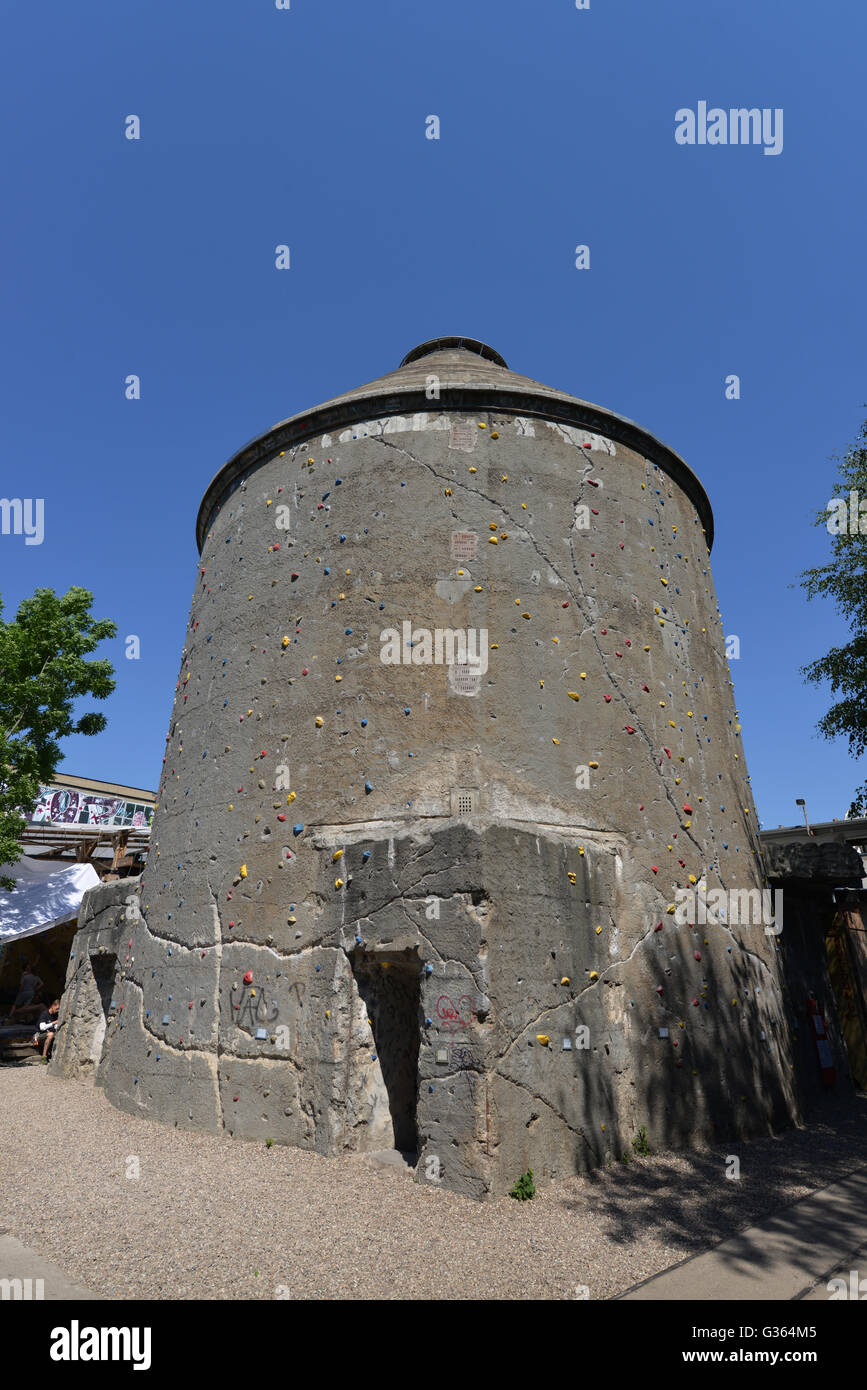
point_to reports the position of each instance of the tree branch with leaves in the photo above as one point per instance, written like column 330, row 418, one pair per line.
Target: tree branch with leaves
column 42, row 672
column 844, row 580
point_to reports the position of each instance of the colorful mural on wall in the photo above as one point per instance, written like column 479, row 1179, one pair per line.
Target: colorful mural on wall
column 62, row 806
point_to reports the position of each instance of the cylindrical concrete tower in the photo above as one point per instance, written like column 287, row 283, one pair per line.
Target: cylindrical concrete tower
column 452, row 761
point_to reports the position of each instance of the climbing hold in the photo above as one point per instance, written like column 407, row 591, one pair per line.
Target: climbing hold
column 338, row 854
column 368, row 787
column 607, row 699
column 297, row 829
column 248, row 978
column 243, row 871
column 319, row 721
column 594, row 975
column 338, row 883
column 573, row 695
column 543, row 1039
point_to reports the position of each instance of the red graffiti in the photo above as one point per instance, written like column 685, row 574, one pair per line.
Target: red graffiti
column 455, row 1016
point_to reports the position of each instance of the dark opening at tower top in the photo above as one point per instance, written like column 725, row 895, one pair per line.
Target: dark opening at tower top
column 450, row 344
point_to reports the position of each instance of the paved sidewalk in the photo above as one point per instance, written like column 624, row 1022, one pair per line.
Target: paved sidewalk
column 789, row 1255
column 19, row 1263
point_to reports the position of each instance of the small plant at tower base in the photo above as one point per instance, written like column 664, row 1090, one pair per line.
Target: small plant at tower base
column 524, row 1189
column 641, row 1143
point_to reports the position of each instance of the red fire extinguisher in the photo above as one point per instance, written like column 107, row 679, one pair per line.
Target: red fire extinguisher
column 823, row 1047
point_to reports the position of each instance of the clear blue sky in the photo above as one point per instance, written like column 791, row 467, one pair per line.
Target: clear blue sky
column 307, row 126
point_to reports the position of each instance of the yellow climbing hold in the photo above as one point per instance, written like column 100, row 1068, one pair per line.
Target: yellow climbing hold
column 495, row 434
column 526, row 615
column 594, row 975
column 556, row 740
column 592, row 764
column 285, row 642
column 243, row 870
column 524, row 506
column 319, row 721
column 338, row 854
column 581, row 850
column 571, row 877
column 495, row 646
column 493, row 525
column 565, row 980
column 693, row 879
column 448, row 492
column 543, row 1039
column 598, row 931
column 670, row 910
column 504, row 477
column 482, row 425
column 665, row 582
column 477, row 589
column 573, row 694
column 493, row 540
column 290, row 798
column 473, row 470
column 268, row 503
column 338, row 678
column 338, row 883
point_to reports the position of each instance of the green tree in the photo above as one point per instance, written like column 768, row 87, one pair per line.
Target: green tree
column 844, row 580
column 42, row 671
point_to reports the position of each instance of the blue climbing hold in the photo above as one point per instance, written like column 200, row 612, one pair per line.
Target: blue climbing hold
column 297, row 829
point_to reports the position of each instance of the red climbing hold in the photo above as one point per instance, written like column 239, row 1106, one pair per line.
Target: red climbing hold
column 629, row 729
column 659, row 989
column 607, row 699
column 654, row 868
column 667, row 752
column 564, row 605
column 248, row 978
column 295, row 575
column 658, row 927
column 281, row 816
column 696, row 955
column 687, row 808
column 592, row 481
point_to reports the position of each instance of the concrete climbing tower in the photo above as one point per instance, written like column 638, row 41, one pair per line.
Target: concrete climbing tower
column 453, row 737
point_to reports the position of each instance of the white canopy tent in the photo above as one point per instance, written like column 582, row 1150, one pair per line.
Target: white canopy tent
column 44, row 896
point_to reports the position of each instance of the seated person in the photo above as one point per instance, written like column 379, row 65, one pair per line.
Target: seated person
column 44, row 1039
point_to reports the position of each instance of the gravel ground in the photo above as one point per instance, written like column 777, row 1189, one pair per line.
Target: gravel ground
column 212, row 1217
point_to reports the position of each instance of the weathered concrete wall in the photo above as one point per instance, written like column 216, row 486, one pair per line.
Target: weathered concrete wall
column 89, row 1008
column 308, row 816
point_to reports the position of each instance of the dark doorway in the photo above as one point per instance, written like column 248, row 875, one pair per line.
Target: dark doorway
column 391, row 989
column 104, row 970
